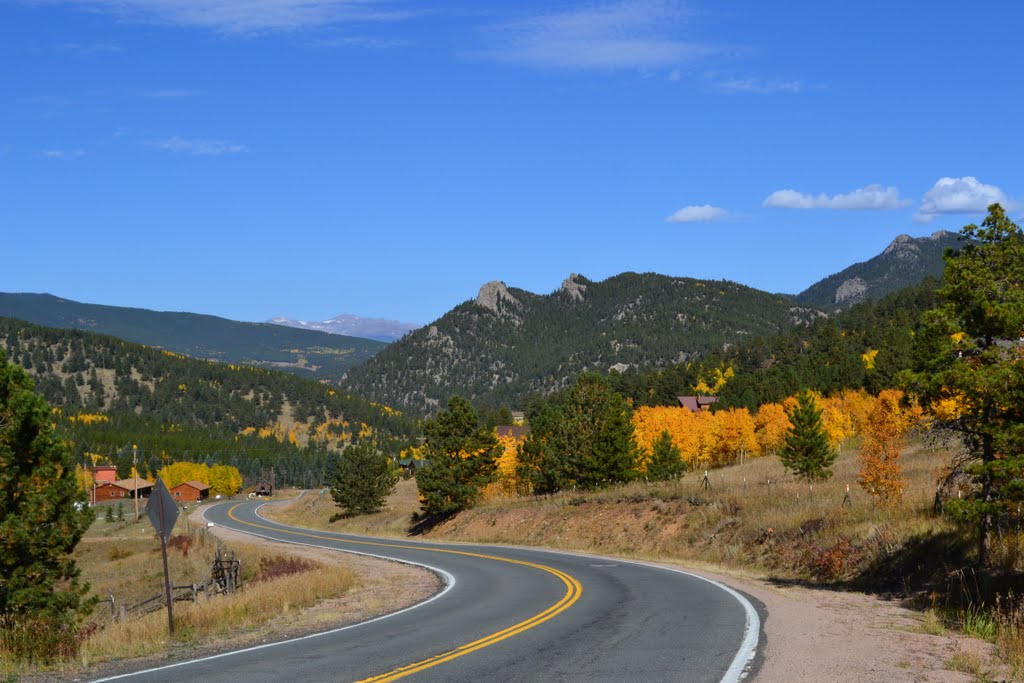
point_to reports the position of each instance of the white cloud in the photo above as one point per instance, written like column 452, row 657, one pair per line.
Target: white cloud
column 198, row 146
column 872, row 197
column 242, row 16
column 695, row 214
column 959, row 195
column 630, row 34
column 63, row 153
column 754, row 86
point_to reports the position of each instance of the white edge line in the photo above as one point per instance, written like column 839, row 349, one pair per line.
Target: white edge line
column 751, row 629
column 448, row 578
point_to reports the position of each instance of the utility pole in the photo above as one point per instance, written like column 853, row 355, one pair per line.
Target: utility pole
column 135, row 473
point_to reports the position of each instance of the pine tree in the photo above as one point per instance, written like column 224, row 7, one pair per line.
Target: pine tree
column 460, row 451
column 580, row 438
column 806, row 451
column 969, row 372
column 666, row 462
column 363, row 480
column 43, row 515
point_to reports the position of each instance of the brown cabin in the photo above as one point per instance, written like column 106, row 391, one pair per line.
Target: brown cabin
column 696, row 404
column 190, row 492
column 264, row 488
column 108, row 490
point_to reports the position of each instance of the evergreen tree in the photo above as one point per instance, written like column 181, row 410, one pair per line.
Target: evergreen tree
column 43, row 514
column 806, row 451
column 969, row 370
column 666, row 462
column 460, row 452
column 363, row 480
column 582, row 437
column 108, row 517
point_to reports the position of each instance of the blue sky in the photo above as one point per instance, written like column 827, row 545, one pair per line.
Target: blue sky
column 314, row 157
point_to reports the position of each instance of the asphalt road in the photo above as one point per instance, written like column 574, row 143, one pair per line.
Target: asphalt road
column 505, row 614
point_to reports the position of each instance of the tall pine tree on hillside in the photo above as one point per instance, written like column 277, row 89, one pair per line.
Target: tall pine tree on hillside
column 460, row 451
column 43, row 514
column 364, row 478
column 666, row 462
column 970, row 371
column 581, row 438
column 806, row 451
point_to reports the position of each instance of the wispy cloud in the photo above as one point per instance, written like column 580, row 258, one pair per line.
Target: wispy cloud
column 698, row 213
column 197, row 146
column 244, row 16
column 63, row 153
column 630, row 34
column 959, row 195
column 869, row 198
column 168, row 94
column 732, row 86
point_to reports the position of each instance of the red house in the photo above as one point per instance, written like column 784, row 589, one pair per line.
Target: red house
column 191, row 491
column 101, row 473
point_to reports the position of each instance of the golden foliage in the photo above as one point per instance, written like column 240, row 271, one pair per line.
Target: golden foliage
column 884, row 436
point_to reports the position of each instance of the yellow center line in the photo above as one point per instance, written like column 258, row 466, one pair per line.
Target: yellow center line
column 573, row 591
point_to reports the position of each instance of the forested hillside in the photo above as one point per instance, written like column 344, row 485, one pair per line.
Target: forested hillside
column 112, row 394
column 905, row 262
column 308, row 353
column 509, row 343
column 863, row 348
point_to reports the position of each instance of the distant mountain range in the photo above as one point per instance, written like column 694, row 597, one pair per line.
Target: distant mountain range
column 905, row 262
column 378, row 329
column 310, row 353
column 508, row 343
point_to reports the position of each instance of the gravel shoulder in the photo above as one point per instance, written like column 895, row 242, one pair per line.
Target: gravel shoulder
column 813, row 635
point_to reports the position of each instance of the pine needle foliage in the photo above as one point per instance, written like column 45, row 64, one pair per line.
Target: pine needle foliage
column 460, row 450
column 364, row 479
column 806, row 451
column 666, row 460
column 43, row 515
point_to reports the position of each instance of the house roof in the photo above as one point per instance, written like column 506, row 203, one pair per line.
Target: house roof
column 696, row 403
column 197, row 485
column 129, row 484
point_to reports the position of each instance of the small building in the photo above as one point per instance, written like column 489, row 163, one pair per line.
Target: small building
column 264, row 487
column 101, row 473
column 518, row 417
column 190, row 492
column 109, row 490
column 142, row 486
column 696, row 404
column 515, row 431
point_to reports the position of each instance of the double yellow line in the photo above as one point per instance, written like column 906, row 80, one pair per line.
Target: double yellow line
column 572, row 594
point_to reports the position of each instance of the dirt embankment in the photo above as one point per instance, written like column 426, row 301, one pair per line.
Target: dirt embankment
column 811, row 634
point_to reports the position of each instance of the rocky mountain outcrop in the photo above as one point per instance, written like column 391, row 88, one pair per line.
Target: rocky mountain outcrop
column 906, row 261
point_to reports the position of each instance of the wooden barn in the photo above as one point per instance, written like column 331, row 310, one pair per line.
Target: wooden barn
column 190, row 492
column 264, row 488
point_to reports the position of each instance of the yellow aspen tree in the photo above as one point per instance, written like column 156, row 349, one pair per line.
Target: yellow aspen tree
column 771, row 424
column 884, row 436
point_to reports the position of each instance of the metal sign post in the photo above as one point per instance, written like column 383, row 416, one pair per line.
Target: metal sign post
column 163, row 513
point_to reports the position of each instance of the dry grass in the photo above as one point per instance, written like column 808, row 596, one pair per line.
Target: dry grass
column 316, row 509
column 123, row 560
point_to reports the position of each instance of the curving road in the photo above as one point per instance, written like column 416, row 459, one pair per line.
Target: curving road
column 507, row 614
